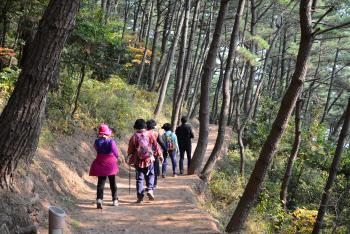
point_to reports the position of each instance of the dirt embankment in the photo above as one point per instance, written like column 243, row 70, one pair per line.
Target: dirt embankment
column 59, row 176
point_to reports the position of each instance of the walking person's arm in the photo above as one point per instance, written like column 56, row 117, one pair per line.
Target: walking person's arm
column 115, row 151
column 161, row 142
column 177, row 145
column 191, row 133
column 131, row 150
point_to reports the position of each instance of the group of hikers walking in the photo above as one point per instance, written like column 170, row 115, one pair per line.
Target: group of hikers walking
column 147, row 147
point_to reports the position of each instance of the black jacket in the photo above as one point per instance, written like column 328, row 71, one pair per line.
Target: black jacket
column 184, row 134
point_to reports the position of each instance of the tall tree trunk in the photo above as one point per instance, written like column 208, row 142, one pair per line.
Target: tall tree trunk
column 268, row 151
column 283, row 59
column 196, row 89
column 333, row 172
column 312, row 84
column 203, row 55
column 182, row 96
column 209, row 68
column 192, row 73
column 168, row 70
column 188, row 61
column 115, row 10
column 103, row 9
column 250, row 86
column 136, row 15
column 338, row 125
column 80, row 84
column 225, row 97
column 127, row 10
column 21, row 120
column 180, row 67
column 292, row 157
column 4, row 31
column 215, row 105
column 144, row 21
column 152, row 65
column 108, row 10
column 330, row 87
column 195, row 109
column 164, row 47
column 146, row 47
column 232, row 102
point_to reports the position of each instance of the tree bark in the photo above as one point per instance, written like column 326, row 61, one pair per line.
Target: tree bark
column 330, row 87
column 168, row 70
column 292, row 157
column 21, row 120
column 203, row 55
column 127, row 10
column 79, row 85
column 146, row 47
column 269, row 149
column 333, row 172
column 194, row 66
column 225, row 97
column 249, row 91
column 136, row 15
column 163, row 48
column 188, row 61
column 152, row 65
column 103, row 8
column 215, row 105
column 180, row 67
column 196, row 89
column 209, row 67
column 144, row 21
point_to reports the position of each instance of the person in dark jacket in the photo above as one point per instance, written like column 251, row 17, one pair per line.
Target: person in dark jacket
column 151, row 126
column 184, row 134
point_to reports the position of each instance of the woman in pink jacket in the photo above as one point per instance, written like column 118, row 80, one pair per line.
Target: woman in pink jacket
column 105, row 164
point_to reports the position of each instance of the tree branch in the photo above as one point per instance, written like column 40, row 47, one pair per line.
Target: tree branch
column 263, row 13
column 312, row 80
column 317, row 32
column 329, row 10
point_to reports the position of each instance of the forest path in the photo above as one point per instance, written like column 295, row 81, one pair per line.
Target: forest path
column 173, row 211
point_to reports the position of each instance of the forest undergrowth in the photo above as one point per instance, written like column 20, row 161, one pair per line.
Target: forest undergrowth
column 226, row 186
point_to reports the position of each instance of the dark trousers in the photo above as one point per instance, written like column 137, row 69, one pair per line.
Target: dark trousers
column 146, row 173
column 172, row 156
column 184, row 149
column 156, row 170
column 101, row 185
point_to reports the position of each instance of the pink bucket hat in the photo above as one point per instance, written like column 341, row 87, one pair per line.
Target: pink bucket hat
column 104, row 130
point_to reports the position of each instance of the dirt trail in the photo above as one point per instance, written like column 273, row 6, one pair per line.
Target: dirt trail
column 173, row 211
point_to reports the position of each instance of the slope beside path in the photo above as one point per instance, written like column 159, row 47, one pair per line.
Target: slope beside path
column 173, row 211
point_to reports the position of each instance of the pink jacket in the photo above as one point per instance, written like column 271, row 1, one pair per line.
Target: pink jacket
column 105, row 163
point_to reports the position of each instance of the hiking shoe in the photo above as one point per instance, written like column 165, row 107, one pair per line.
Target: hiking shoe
column 150, row 195
column 174, row 175
column 163, row 176
column 155, row 186
column 99, row 203
column 139, row 200
column 115, row 203
column 181, row 171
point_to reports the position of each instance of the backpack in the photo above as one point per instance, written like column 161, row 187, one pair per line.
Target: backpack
column 155, row 134
column 143, row 148
column 170, row 143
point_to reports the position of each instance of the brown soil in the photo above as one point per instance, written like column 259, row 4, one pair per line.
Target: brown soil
column 59, row 176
